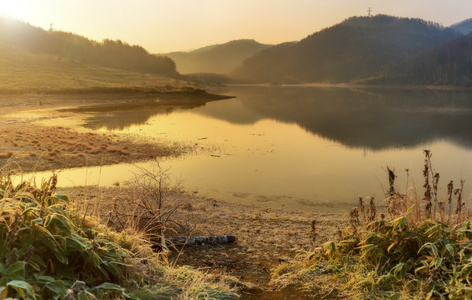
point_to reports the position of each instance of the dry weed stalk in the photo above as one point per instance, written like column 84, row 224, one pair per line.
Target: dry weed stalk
column 435, row 193
column 459, row 203
column 354, row 219
column 427, row 186
column 450, row 189
column 372, row 210
column 362, row 209
column 313, row 233
column 426, row 206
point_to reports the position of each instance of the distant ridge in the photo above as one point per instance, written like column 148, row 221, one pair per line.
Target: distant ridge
column 463, row 27
column 358, row 48
column 219, row 58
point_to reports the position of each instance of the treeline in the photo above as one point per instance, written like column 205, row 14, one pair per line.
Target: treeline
column 66, row 45
column 446, row 64
column 464, row 27
column 358, row 48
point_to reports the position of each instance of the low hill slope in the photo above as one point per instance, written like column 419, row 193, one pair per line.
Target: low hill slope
column 357, row 48
column 25, row 72
column 220, row 59
column 72, row 47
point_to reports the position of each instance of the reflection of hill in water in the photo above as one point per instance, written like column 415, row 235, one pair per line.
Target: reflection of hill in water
column 124, row 115
column 374, row 119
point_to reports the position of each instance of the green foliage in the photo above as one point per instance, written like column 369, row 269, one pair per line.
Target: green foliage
column 43, row 242
column 51, row 251
column 434, row 255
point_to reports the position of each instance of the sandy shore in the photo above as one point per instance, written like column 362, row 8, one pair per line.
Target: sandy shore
column 36, row 133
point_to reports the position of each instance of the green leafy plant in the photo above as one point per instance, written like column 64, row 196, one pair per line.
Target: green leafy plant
column 51, row 250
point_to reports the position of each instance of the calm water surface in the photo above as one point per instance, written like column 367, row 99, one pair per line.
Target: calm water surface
column 315, row 149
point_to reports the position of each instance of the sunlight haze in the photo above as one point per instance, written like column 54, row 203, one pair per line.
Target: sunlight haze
column 165, row 26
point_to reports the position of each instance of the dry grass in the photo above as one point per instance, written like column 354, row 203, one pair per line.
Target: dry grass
column 418, row 249
column 46, row 148
column 6, row 155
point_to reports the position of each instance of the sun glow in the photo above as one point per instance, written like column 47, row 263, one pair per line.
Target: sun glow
column 13, row 8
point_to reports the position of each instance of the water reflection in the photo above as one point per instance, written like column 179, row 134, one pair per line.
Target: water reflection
column 298, row 147
column 123, row 115
column 371, row 119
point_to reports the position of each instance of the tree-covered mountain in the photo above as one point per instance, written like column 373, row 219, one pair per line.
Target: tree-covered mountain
column 358, row 48
column 464, row 27
column 220, row 58
column 69, row 46
column 447, row 64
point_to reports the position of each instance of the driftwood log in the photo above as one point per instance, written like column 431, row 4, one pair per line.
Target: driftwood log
column 203, row 240
column 193, row 241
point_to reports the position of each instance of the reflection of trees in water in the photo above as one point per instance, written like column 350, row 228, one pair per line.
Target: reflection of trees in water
column 373, row 119
column 121, row 116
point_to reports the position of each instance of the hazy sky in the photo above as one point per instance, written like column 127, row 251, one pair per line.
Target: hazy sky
column 173, row 25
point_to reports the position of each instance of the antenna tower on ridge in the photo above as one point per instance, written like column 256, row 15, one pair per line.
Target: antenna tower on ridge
column 369, row 10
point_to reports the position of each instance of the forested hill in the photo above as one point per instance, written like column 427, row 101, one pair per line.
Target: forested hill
column 464, row 27
column 446, row 64
column 69, row 46
column 220, row 58
column 359, row 47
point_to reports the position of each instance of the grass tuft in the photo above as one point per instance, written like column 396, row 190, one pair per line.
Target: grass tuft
column 419, row 250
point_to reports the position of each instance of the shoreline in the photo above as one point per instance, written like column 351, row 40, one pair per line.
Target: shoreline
column 354, row 85
column 36, row 135
column 265, row 237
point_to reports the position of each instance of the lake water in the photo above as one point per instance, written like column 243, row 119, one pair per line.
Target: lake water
column 299, row 147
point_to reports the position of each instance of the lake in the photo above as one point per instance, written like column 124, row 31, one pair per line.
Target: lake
column 299, row 147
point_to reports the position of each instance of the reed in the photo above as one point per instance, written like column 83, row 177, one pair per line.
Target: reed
column 419, row 250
